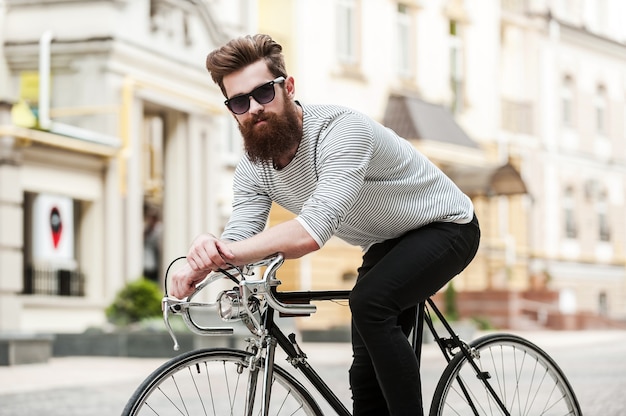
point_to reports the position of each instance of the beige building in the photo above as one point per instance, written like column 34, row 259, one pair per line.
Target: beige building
column 537, row 92
column 521, row 102
column 127, row 118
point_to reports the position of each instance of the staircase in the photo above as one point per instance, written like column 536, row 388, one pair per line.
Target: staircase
column 528, row 310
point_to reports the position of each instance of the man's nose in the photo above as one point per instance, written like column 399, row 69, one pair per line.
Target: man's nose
column 255, row 107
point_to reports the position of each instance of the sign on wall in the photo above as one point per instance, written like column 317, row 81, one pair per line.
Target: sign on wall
column 53, row 229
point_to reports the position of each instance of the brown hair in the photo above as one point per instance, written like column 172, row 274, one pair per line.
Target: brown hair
column 244, row 51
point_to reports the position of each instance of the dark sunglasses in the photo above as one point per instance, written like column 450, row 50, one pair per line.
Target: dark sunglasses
column 262, row 94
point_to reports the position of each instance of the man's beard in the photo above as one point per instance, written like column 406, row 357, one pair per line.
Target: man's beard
column 277, row 137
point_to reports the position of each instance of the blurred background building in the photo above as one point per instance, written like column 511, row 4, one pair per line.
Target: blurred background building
column 113, row 136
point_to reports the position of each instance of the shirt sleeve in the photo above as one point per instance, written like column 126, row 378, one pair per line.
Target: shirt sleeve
column 345, row 148
column 251, row 205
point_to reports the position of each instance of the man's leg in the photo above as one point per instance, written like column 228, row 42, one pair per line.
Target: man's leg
column 396, row 275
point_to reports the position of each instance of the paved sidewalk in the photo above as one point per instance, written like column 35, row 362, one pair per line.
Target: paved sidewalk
column 100, row 386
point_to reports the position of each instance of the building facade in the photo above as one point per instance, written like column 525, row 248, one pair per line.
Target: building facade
column 110, row 120
column 564, row 64
column 107, row 105
column 552, row 241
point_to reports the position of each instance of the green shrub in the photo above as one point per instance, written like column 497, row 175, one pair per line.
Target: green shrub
column 451, row 312
column 483, row 323
column 138, row 300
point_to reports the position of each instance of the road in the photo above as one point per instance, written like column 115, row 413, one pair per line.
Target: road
column 593, row 361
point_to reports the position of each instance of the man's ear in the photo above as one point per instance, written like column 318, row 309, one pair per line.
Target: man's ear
column 290, row 87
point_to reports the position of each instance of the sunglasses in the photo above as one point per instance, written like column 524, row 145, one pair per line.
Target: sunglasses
column 262, row 94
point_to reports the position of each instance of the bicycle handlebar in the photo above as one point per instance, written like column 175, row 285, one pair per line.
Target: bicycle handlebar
column 250, row 293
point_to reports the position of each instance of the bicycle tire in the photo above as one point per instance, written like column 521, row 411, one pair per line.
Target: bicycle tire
column 215, row 382
column 527, row 380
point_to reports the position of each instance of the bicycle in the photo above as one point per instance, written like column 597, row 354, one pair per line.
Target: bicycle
column 497, row 374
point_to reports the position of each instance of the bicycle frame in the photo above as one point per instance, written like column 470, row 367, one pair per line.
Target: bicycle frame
column 298, row 303
column 298, row 359
column 295, row 355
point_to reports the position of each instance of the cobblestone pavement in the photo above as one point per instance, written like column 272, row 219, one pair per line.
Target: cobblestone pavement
column 593, row 361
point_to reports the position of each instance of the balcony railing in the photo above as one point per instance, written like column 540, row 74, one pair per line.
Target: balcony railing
column 53, row 282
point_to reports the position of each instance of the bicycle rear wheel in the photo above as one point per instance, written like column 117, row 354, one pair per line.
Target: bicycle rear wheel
column 525, row 378
column 217, row 382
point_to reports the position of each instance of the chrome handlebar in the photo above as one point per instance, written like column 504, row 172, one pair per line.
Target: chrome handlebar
column 250, row 293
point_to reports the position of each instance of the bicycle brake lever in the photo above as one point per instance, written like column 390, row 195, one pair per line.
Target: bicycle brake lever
column 166, row 317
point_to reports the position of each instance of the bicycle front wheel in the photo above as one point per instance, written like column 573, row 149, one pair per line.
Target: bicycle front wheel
column 525, row 378
column 217, row 382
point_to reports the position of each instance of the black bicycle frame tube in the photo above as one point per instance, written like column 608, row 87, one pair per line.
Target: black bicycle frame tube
column 416, row 341
column 301, row 364
column 311, row 295
column 299, row 361
column 466, row 352
column 322, row 387
column 268, row 374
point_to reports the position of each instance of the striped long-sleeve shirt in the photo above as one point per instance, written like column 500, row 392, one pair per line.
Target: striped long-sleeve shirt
column 351, row 177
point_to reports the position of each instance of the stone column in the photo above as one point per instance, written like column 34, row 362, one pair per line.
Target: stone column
column 11, row 227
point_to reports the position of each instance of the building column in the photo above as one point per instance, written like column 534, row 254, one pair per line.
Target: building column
column 11, row 227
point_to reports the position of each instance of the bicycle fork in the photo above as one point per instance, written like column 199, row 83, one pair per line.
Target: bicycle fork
column 257, row 363
column 446, row 346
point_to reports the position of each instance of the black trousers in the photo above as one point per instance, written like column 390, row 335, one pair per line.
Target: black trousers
column 395, row 276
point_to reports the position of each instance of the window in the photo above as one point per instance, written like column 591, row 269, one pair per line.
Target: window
column 347, row 32
column 170, row 20
column 154, row 138
column 600, row 107
column 604, row 230
column 601, row 16
column 403, row 41
column 603, row 304
column 456, row 66
column 567, row 105
column 51, row 225
column 569, row 204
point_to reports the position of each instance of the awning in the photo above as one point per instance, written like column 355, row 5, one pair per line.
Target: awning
column 416, row 119
column 487, row 181
column 26, row 135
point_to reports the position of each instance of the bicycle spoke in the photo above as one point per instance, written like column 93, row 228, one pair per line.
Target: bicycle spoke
column 216, row 384
column 525, row 379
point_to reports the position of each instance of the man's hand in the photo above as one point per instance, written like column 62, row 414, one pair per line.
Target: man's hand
column 208, row 253
column 184, row 281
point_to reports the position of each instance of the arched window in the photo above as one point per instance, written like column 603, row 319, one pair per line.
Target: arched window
column 600, row 110
column 603, row 304
column 457, row 76
column 569, row 214
column 567, row 102
column 348, row 32
column 602, row 213
column 405, row 54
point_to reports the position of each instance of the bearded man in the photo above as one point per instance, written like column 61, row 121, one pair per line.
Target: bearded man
column 342, row 174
